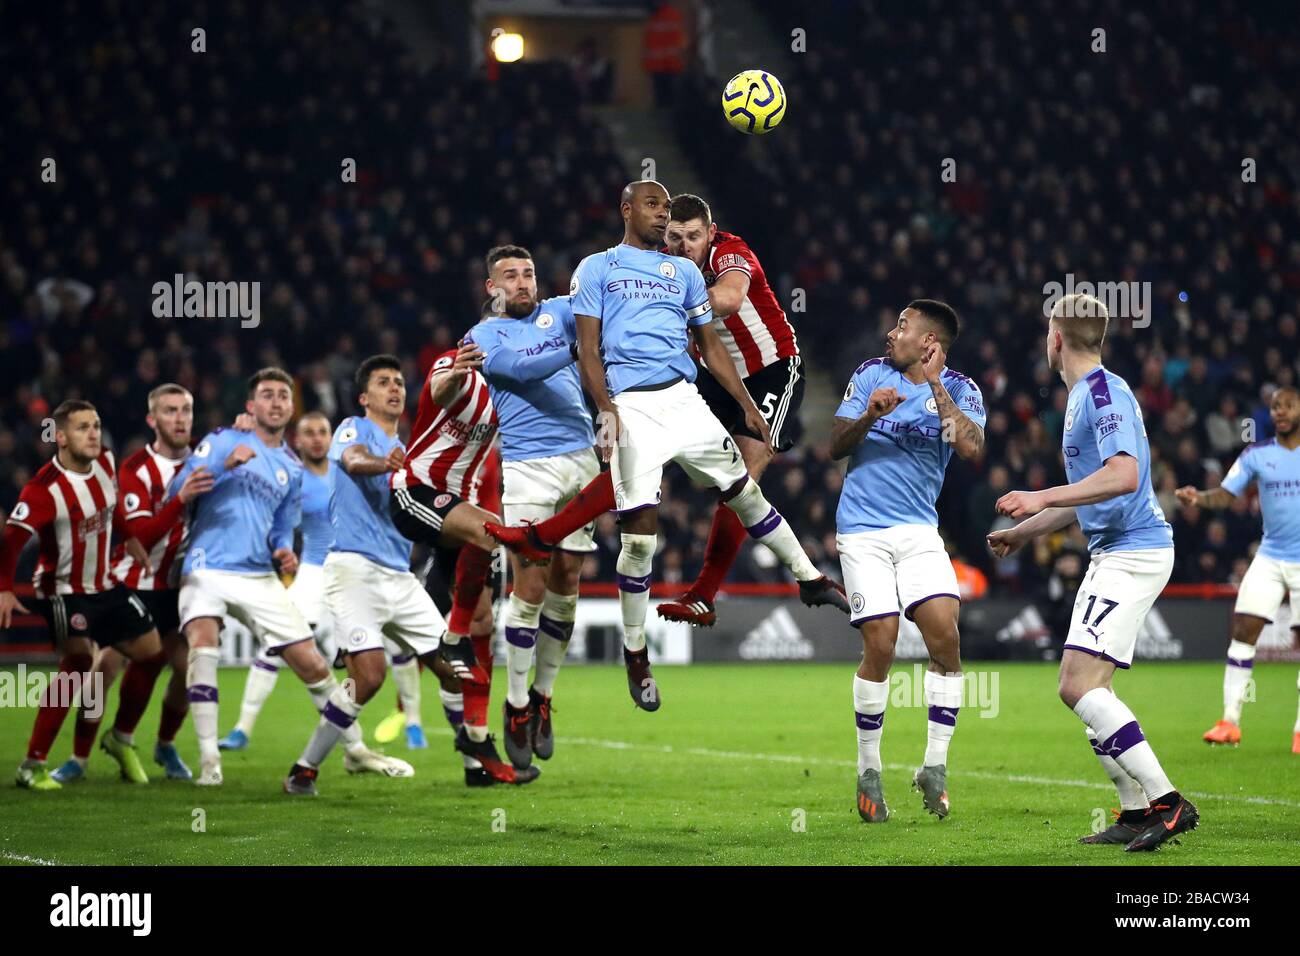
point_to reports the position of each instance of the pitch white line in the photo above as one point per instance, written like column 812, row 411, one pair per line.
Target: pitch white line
column 823, row 761
column 21, row 858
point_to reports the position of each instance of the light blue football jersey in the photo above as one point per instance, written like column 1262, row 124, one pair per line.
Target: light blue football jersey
column 1276, row 472
column 644, row 299
column 317, row 535
column 1102, row 419
column 534, row 382
column 251, row 510
column 358, row 505
column 896, row 473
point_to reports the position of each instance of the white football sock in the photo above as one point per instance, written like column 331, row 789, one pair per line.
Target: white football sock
column 1130, row 792
column 261, row 681
column 765, row 524
column 1120, row 737
column 553, row 635
column 320, row 695
column 633, row 571
column 201, row 688
column 943, row 693
column 1236, row 678
column 476, row 733
column 406, row 675
column 869, row 699
column 453, row 707
column 340, row 713
column 521, row 636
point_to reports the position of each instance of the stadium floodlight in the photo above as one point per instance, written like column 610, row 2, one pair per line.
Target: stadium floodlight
column 508, row 47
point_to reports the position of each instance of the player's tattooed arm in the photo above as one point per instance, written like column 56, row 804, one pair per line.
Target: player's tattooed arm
column 847, row 433
column 966, row 436
column 358, row 461
column 1214, row 498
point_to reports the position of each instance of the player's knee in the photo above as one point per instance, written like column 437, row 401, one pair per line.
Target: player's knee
column 367, row 681
column 306, row 662
column 748, row 503
column 638, row 549
column 564, row 576
column 202, row 633
column 878, row 641
column 1246, row 629
column 1070, row 690
column 523, row 613
column 944, row 643
column 757, row 458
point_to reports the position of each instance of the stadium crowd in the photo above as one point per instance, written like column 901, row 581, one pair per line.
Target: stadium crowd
column 449, row 164
column 869, row 222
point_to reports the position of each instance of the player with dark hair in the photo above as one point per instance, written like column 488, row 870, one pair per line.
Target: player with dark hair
column 71, row 508
column 547, row 441
column 439, row 499
column 1274, row 468
column 902, row 418
column 240, row 531
column 312, row 443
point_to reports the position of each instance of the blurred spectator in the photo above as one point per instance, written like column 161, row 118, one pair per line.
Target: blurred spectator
column 593, row 73
column 665, row 52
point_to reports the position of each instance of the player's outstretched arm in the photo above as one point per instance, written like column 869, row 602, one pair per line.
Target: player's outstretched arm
column 505, row 363
column 1008, row 540
column 1117, row 476
column 1213, row 498
column 718, row 359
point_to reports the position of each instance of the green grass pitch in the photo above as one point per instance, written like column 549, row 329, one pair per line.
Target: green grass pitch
column 744, row 764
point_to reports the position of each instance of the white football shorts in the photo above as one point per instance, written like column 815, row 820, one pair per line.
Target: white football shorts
column 369, row 602
column 258, row 601
column 537, row 488
column 1117, row 591
column 1267, row 581
column 670, row 424
column 893, row 570
column 307, row 592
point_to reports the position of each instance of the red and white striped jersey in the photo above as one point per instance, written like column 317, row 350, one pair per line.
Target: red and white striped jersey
column 759, row 333
column 142, row 481
column 71, row 516
column 450, row 443
column 487, row 493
